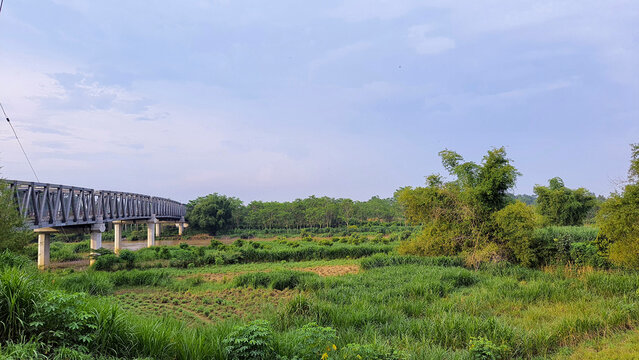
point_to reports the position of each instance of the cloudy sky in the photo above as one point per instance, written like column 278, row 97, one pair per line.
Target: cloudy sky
column 274, row 100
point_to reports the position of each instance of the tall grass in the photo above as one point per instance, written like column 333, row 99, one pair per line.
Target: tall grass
column 103, row 283
column 382, row 260
column 20, row 291
column 279, row 280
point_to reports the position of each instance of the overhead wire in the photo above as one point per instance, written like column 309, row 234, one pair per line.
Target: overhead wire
column 19, row 142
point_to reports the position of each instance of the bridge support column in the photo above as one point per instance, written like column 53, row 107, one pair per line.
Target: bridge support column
column 158, row 229
column 44, row 241
column 96, row 239
column 180, row 226
column 117, row 229
column 150, row 232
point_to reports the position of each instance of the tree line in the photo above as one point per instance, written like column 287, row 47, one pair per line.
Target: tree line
column 217, row 213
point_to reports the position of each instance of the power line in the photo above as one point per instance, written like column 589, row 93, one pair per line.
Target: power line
column 17, row 138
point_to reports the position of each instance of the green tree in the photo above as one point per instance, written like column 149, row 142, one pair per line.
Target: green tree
column 457, row 215
column 563, row 206
column 212, row 213
column 13, row 233
column 618, row 218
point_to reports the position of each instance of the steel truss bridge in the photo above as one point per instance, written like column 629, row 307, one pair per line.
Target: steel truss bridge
column 49, row 208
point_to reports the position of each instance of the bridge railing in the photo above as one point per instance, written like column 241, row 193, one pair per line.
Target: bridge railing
column 52, row 205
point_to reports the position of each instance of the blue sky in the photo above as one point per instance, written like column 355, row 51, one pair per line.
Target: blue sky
column 284, row 99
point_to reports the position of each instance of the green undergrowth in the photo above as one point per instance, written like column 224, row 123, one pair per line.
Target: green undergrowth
column 399, row 307
column 241, row 252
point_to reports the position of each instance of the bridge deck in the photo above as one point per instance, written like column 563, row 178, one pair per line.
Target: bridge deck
column 51, row 205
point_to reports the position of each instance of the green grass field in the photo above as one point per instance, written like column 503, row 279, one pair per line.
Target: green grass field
column 384, row 306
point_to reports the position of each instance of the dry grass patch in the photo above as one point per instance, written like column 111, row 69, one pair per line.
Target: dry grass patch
column 206, row 307
column 331, row 270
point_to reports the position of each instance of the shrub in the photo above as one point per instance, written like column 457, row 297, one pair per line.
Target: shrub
column 61, row 319
column 182, row 258
column 367, row 352
column 515, row 225
column 586, row 254
column 618, row 218
column 325, row 242
column 128, row 257
column 554, row 243
column 312, row 340
column 106, row 262
column 253, row 341
column 215, row 244
column 483, row 349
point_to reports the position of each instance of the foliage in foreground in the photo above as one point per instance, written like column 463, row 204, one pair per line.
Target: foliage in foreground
column 618, row 219
column 13, row 234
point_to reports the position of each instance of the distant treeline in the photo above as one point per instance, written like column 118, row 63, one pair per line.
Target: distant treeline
column 215, row 213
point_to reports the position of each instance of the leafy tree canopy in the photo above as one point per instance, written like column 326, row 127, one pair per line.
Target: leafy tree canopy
column 563, row 206
column 457, row 215
column 212, row 213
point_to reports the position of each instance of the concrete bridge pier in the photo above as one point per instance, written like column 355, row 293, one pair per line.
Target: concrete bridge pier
column 180, row 226
column 158, row 229
column 117, row 243
column 150, row 231
column 96, row 239
column 44, row 246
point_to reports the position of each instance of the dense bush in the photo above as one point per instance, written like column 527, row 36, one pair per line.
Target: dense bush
column 568, row 244
column 253, row 341
column 515, row 225
column 311, row 341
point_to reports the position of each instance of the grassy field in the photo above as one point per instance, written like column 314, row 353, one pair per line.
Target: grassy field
column 323, row 299
column 423, row 307
column 619, row 346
